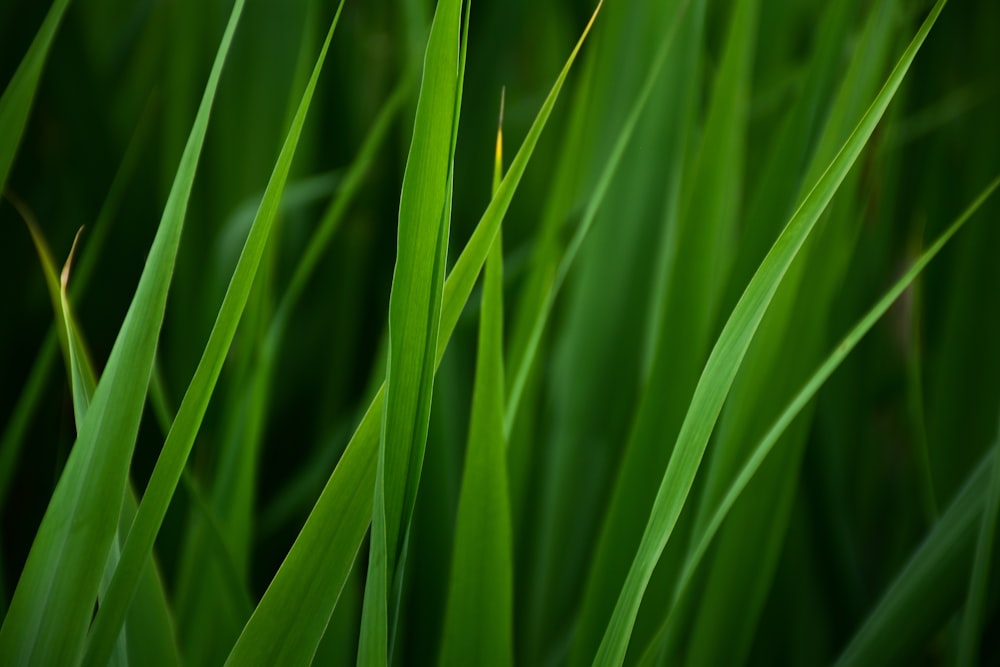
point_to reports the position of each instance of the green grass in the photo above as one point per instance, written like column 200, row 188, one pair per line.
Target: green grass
column 665, row 426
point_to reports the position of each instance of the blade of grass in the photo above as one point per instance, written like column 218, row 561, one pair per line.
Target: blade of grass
column 52, row 604
column 903, row 620
column 479, row 615
column 975, row 604
column 414, row 322
column 789, row 344
column 148, row 636
column 796, row 405
column 173, row 457
column 725, row 358
column 290, row 619
column 18, row 96
column 14, row 432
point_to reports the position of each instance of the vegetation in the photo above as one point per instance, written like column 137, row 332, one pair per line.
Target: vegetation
column 727, row 390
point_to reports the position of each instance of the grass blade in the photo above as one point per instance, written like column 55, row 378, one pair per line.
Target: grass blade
column 15, row 105
column 180, row 440
column 479, row 618
column 801, row 399
column 725, row 358
column 51, row 608
column 148, row 637
column 935, row 571
column 414, row 322
column 972, row 618
column 290, row 620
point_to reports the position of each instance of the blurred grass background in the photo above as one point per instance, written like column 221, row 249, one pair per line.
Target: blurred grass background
column 846, row 499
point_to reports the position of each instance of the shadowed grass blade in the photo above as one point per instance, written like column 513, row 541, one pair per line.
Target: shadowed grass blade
column 725, row 358
column 15, row 105
column 12, row 439
column 902, row 619
column 52, row 605
column 972, row 618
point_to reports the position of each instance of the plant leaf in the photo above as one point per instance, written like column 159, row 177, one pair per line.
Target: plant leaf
column 15, row 104
column 725, row 358
column 798, row 403
column 479, row 617
column 51, row 608
column 290, row 619
column 180, row 440
column 414, row 322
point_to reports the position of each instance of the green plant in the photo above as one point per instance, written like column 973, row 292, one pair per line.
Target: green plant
column 639, row 441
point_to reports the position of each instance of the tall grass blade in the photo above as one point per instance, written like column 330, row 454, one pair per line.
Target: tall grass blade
column 290, row 619
column 180, row 440
column 51, row 608
column 902, row 619
column 975, row 603
column 801, row 399
column 148, row 637
column 414, row 321
column 725, row 358
column 14, row 432
column 479, row 618
column 15, row 104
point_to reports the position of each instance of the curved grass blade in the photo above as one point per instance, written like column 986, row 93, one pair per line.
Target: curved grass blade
column 972, row 618
column 903, row 619
column 173, row 457
column 725, row 358
column 801, row 399
column 522, row 365
column 478, row 627
column 15, row 105
column 14, row 432
column 148, row 637
column 51, row 608
column 290, row 619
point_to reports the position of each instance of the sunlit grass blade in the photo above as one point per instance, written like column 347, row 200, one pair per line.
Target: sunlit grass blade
column 725, row 358
column 801, row 399
column 478, row 626
column 51, row 608
column 15, row 104
column 975, row 602
column 290, row 619
column 173, row 457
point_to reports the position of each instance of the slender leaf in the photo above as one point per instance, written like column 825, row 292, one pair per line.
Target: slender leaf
column 51, row 607
column 972, row 618
column 290, row 620
column 798, row 403
column 414, row 321
column 478, row 626
column 18, row 96
column 180, row 440
column 724, row 361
